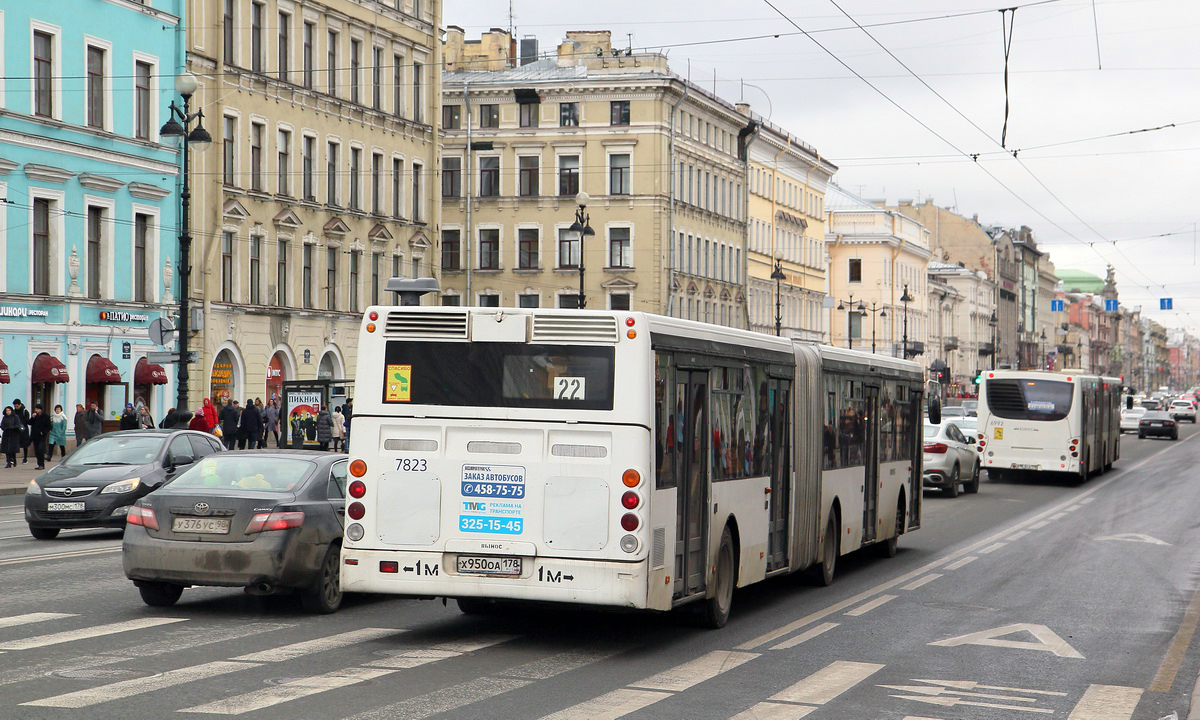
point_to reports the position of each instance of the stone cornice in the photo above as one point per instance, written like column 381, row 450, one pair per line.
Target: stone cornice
column 38, row 142
column 145, row 191
column 102, row 183
column 7, row 166
column 47, row 173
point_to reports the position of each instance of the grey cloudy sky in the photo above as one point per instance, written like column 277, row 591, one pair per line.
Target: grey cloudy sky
column 1079, row 70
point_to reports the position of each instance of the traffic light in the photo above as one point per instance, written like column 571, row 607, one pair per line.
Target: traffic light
column 978, row 377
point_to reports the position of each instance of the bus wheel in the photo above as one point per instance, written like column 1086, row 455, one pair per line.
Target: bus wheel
column 972, row 486
column 829, row 552
column 716, row 609
column 889, row 547
column 951, row 490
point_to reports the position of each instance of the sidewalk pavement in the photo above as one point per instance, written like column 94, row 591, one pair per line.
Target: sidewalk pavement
column 14, row 481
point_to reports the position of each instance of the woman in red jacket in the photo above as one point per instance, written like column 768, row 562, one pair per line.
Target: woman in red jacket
column 210, row 415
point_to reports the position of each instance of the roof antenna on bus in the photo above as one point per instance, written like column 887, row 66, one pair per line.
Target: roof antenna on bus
column 411, row 290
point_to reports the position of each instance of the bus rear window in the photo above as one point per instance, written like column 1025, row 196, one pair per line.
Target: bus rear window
column 1029, row 399
column 486, row 374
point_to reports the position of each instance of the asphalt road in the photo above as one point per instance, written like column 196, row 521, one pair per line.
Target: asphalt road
column 1028, row 600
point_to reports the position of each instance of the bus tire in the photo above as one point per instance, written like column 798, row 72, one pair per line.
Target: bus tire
column 715, row 610
column 972, row 486
column 889, row 547
column 829, row 552
column 951, row 490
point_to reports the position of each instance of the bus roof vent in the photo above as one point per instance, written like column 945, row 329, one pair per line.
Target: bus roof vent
column 426, row 324
column 592, row 328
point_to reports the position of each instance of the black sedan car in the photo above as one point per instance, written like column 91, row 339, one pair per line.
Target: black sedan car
column 95, row 485
column 1158, row 423
column 269, row 522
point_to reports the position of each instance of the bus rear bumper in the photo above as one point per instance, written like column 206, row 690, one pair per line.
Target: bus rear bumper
column 435, row 574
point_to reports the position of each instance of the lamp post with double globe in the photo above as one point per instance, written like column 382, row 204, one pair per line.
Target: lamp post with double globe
column 580, row 229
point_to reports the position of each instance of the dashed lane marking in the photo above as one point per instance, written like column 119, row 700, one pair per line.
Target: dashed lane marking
column 138, row 686
column 1107, row 702
column 60, row 556
column 1173, row 660
column 705, row 667
column 295, row 650
column 28, row 618
column 869, row 606
column 965, row 561
column 921, row 581
column 294, row 690
column 86, row 633
column 1017, row 535
column 805, row 636
column 610, row 706
column 809, row 694
column 992, row 548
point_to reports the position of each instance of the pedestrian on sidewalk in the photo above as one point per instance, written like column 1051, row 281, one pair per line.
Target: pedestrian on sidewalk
column 58, row 434
column 210, row 413
column 262, row 423
column 348, row 413
column 22, row 414
column 81, row 425
column 324, row 429
column 198, row 421
column 95, row 421
column 229, row 424
column 249, row 426
column 144, row 419
column 39, row 433
column 10, row 436
column 271, row 421
column 129, row 419
column 339, row 428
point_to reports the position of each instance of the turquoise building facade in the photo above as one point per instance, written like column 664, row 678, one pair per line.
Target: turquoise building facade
column 89, row 203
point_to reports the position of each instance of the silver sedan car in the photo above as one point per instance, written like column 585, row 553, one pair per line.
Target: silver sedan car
column 1130, row 417
column 950, row 459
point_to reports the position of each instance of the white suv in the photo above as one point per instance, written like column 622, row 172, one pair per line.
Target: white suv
column 1182, row 410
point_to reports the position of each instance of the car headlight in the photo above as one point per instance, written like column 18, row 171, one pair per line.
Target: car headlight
column 125, row 486
column 34, row 488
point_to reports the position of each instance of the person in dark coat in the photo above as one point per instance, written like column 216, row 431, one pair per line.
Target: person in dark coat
column 129, row 419
column 271, row 422
column 198, row 421
column 40, row 426
column 229, row 416
column 22, row 414
column 324, row 428
column 81, row 426
column 348, row 413
column 95, row 421
column 249, row 426
column 10, row 436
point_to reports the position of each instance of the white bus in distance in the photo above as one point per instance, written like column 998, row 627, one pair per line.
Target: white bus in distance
column 1065, row 422
column 617, row 459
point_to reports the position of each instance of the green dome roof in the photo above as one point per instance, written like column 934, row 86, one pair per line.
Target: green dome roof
column 1079, row 281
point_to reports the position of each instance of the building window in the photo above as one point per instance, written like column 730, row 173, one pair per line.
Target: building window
column 618, row 301
column 256, row 37
column 355, row 69
column 618, row 174
column 451, row 177
column 528, row 301
column 855, row 270
column 226, row 267
column 95, row 87
column 619, row 112
column 489, row 249
column 568, row 250
column 396, row 266
column 397, row 86
column 331, row 61
column 489, row 176
column 568, row 175
column 568, row 114
column 397, row 178
column 451, row 250
column 307, row 60
column 95, row 230
column 451, row 117
column 285, row 47
column 43, row 74
column 355, row 169
column 416, row 267
column 855, row 320
column 417, row 70
column 307, row 278
column 281, row 273
column 451, row 301
column 331, row 268
column 141, row 100
column 488, row 300
column 489, row 116
column 529, row 170
column 376, row 190
column 227, row 28
column 354, row 256
column 527, row 115
column 331, row 174
column 229, row 152
column 527, row 248
column 568, row 301
column 620, row 254
column 255, row 268
column 416, row 192
column 283, row 164
column 41, row 247
column 309, row 162
column 374, row 278
column 377, row 78
column 256, row 155
column 141, row 268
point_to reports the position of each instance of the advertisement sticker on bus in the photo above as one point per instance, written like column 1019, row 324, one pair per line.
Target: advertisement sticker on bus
column 492, row 496
column 398, row 384
column 999, row 433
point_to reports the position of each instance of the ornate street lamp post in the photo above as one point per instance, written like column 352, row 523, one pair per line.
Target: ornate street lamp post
column 881, row 312
column 994, row 322
column 179, row 124
column 580, row 229
column 777, row 276
column 861, row 310
column 906, row 299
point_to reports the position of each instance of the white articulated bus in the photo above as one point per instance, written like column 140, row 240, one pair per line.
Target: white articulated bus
column 616, row 458
column 1063, row 422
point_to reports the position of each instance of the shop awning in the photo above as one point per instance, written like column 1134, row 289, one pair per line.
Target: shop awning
column 149, row 374
column 49, row 369
column 4, row 376
column 102, row 371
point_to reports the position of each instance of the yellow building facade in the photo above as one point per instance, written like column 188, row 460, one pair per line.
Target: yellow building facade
column 319, row 184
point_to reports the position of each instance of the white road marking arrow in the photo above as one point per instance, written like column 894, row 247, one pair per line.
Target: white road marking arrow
column 951, row 702
column 922, row 690
column 971, row 685
column 1047, row 640
column 1135, row 537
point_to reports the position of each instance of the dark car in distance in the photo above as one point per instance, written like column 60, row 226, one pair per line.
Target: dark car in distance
column 268, row 522
column 1158, row 423
column 95, row 485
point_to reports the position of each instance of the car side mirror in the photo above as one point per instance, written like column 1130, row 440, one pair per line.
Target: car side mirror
column 935, row 410
column 181, row 460
column 1129, row 403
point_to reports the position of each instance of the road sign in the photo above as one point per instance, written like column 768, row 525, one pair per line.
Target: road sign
column 161, row 330
column 1110, row 305
column 166, row 358
column 1165, row 304
column 1056, row 306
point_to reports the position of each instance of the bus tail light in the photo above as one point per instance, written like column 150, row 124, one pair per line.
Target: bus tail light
column 357, row 489
column 356, row 511
column 370, row 327
column 265, row 522
column 389, row 566
column 939, row 448
column 631, row 478
column 630, row 522
column 143, row 516
column 358, row 468
column 372, row 315
column 630, row 500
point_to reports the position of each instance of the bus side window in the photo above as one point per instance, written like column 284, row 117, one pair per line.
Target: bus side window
column 668, row 414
